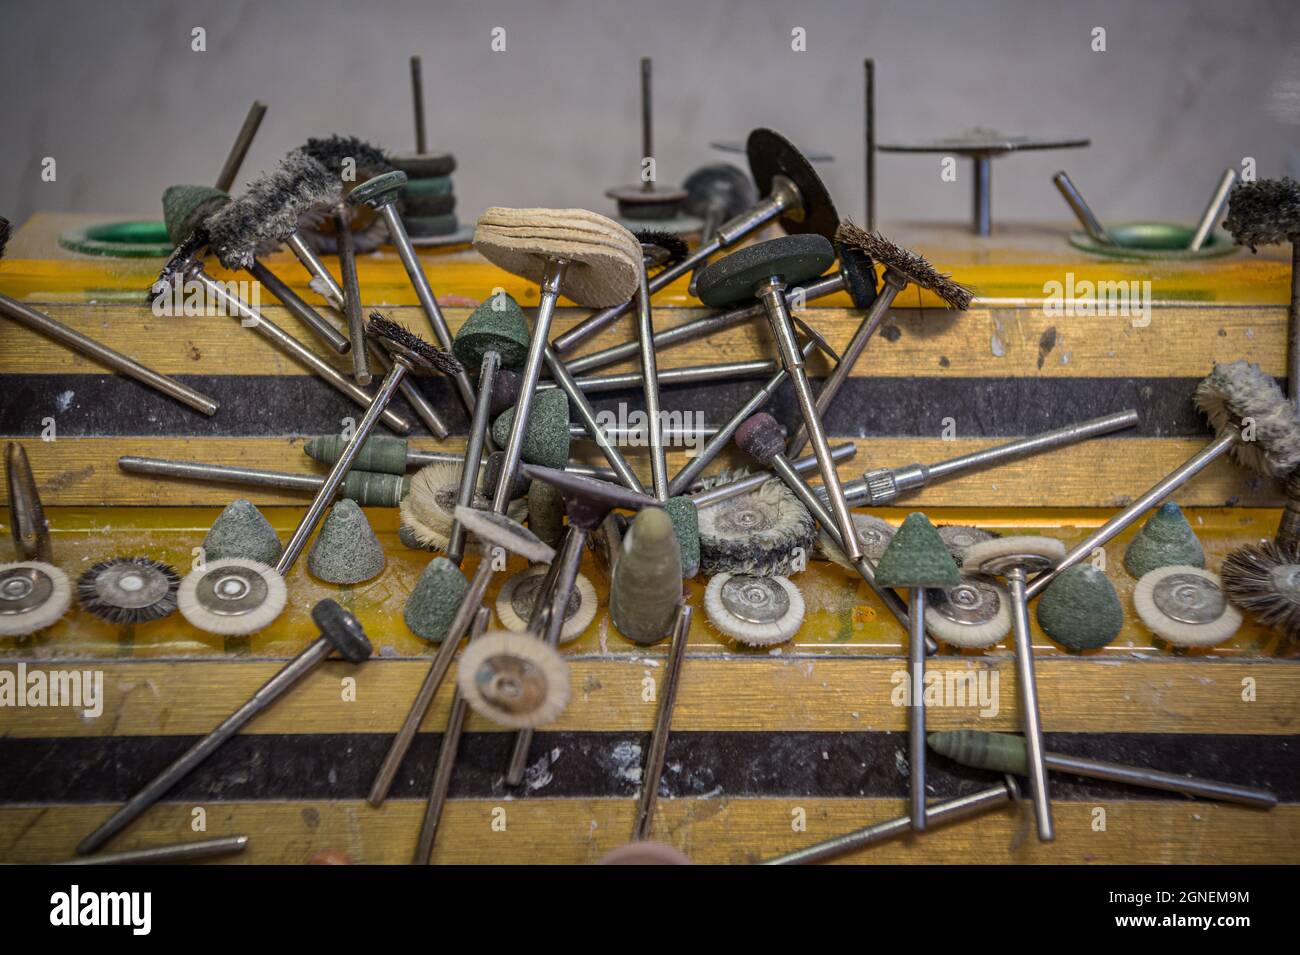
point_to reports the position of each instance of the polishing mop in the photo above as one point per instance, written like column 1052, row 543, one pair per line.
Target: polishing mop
column 33, row 595
column 1186, row 606
column 1264, row 580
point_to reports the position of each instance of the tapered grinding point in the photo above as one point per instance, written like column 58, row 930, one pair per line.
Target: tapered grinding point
column 379, row 452
column 186, row 207
column 496, row 325
column 546, row 512
column 646, row 587
column 241, row 530
column 761, row 437
column 434, row 600
column 917, row 557
column 346, row 550
column 375, row 490
column 546, row 442
column 1165, row 539
column 686, row 526
column 1001, row 752
column 1079, row 609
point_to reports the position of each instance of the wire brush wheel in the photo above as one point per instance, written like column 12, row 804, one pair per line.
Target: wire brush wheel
column 232, row 597
column 128, row 590
column 513, row 679
column 518, row 596
column 1185, row 606
column 33, row 595
column 759, row 533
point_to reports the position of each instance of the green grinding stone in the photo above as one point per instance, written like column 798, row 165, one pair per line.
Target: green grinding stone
column 432, row 186
column 1166, row 540
column 496, row 325
column 1000, row 752
column 381, row 453
column 242, row 531
column 546, row 512
column 1080, row 609
column 346, row 550
column 426, row 207
column 185, row 207
column 423, row 227
column 546, row 442
column 686, row 525
column 434, row 600
column 645, row 588
column 917, row 557
column 372, row 489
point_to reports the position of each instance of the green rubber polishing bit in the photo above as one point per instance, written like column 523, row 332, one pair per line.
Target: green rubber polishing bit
column 434, row 600
column 346, row 550
column 242, row 531
column 371, row 489
column 1166, row 539
column 645, row 589
column 1080, row 609
column 496, row 325
column 379, row 452
column 917, row 557
column 185, row 208
column 547, row 440
column 546, row 512
column 1001, row 752
column 686, row 525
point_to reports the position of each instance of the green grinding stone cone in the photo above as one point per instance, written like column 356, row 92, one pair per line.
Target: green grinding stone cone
column 547, row 441
column 1080, row 609
column 381, row 453
column 434, row 600
column 346, row 550
column 646, row 586
column 185, row 208
column 496, row 325
column 917, row 557
column 546, row 512
column 686, row 525
column 242, row 531
column 1166, row 540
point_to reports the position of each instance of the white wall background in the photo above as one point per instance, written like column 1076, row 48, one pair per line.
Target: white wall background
column 113, row 91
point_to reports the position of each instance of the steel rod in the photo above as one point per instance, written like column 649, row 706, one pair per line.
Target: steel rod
column 352, row 297
column 1030, row 717
column 1155, row 779
column 587, row 415
column 752, row 482
column 916, row 713
column 299, row 309
column 180, row 852
column 239, row 149
column 649, row 376
column 1074, row 199
column 469, row 468
column 1206, row 224
column 654, row 762
column 417, row 100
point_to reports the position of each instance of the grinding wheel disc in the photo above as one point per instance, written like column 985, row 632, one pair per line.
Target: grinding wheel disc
column 792, row 258
column 975, row 613
column 426, row 188
column 424, row 165
column 518, row 596
column 513, row 679
column 755, row 611
column 232, row 596
column 33, row 595
column 1185, row 606
column 128, row 590
column 770, row 155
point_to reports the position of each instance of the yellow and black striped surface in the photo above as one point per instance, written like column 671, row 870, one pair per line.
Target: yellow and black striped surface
column 771, row 750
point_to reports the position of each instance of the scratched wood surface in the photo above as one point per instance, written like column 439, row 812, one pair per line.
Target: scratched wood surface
column 760, row 735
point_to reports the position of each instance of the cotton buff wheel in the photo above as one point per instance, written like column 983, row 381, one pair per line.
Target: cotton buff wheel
column 974, row 614
column 755, row 611
column 513, row 679
column 1185, row 606
column 232, row 597
column 128, row 590
column 33, row 595
column 518, row 595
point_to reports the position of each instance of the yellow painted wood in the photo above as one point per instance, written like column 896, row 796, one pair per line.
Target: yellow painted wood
column 716, row 830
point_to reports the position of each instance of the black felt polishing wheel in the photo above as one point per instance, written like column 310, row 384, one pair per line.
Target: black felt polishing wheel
column 424, row 165
column 425, row 206
column 419, row 227
column 794, row 258
column 771, row 155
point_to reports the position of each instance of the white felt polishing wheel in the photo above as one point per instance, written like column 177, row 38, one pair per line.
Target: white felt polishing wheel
column 233, row 596
column 755, row 611
column 519, row 593
column 1185, row 606
column 976, row 613
column 874, row 535
column 982, row 557
column 513, row 679
column 33, row 595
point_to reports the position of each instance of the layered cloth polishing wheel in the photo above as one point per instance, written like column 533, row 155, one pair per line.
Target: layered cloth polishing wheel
column 426, row 206
column 792, row 258
column 1080, row 609
column 33, row 595
column 232, row 597
column 757, row 533
column 426, row 188
column 128, row 590
column 519, row 594
column 1185, row 606
column 755, row 611
column 430, row 226
column 974, row 614
column 513, row 679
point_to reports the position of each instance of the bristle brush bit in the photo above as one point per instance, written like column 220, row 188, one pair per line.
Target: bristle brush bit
column 1264, row 580
column 128, row 590
column 662, row 249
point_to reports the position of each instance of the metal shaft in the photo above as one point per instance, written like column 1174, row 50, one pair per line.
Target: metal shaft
column 770, row 293
column 936, row 815
column 654, row 761
column 423, row 409
column 423, row 458
column 869, row 147
column 647, row 123
column 1074, row 199
column 689, row 375
column 315, row 510
column 1293, row 329
column 160, row 785
column 442, row 771
column 365, row 487
column 620, row 435
column 1155, row 779
column 180, row 852
column 697, row 328
column 537, row 351
column 43, row 324
column 1125, row 518
column 235, row 159
column 645, row 333
column 916, row 714
column 469, row 469
column 894, row 283
column 752, row 482
column 299, row 309
column 295, row 349
column 982, row 167
column 417, row 100
column 415, row 272
column 460, row 623
column 333, row 292
column 715, row 445
column 587, row 415
column 1206, row 224
column 352, row 297
column 1028, row 684
column 27, row 523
